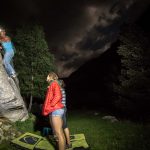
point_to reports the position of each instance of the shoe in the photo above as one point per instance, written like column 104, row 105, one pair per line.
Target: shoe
column 68, row 146
column 13, row 75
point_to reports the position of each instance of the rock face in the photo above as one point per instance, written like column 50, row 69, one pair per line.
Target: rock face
column 12, row 105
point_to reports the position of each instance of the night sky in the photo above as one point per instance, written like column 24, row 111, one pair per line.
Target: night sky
column 84, row 35
column 76, row 31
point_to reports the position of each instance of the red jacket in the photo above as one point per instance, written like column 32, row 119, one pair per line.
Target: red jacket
column 53, row 99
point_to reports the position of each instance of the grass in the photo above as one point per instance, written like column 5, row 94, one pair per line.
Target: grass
column 101, row 134
column 104, row 135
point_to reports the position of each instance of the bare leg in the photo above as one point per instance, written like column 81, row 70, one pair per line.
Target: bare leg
column 67, row 135
column 57, row 127
column 54, row 134
column 51, row 123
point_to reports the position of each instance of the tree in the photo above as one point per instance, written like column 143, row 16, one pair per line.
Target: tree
column 33, row 60
column 134, row 81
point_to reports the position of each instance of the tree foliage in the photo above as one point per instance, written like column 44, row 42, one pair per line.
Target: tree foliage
column 33, row 60
column 134, row 80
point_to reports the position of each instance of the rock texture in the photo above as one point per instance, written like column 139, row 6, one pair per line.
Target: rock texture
column 12, row 105
column 7, row 131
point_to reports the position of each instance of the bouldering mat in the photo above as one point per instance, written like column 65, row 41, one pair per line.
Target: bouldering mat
column 30, row 141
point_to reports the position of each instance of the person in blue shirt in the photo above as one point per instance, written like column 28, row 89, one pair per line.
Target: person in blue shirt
column 8, row 48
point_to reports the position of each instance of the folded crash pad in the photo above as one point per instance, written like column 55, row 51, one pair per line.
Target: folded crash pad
column 30, row 141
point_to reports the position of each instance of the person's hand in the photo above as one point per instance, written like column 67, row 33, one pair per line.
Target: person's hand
column 0, row 48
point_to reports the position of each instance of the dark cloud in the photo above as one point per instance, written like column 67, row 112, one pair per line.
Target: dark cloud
column 76, row 31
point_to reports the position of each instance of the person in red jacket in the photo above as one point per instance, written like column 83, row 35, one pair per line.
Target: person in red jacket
column 54, row 108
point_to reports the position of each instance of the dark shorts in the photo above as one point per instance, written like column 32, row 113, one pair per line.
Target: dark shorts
column 64, row 118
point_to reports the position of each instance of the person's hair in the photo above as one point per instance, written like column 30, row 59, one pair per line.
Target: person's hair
column 53, row 75
column 62, row 83
column 1, row 29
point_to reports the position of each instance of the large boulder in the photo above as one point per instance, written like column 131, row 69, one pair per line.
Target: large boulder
column 12, row 105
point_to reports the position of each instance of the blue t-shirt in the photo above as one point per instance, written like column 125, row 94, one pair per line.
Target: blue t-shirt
column 7, row 46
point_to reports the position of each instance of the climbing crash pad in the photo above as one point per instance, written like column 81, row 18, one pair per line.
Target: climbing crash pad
column 30, row 141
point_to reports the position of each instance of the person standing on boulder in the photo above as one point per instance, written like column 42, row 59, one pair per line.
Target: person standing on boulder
column 8, row 48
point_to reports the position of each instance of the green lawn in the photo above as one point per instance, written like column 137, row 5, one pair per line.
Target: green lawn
column 104, row 135
column 101, row 134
